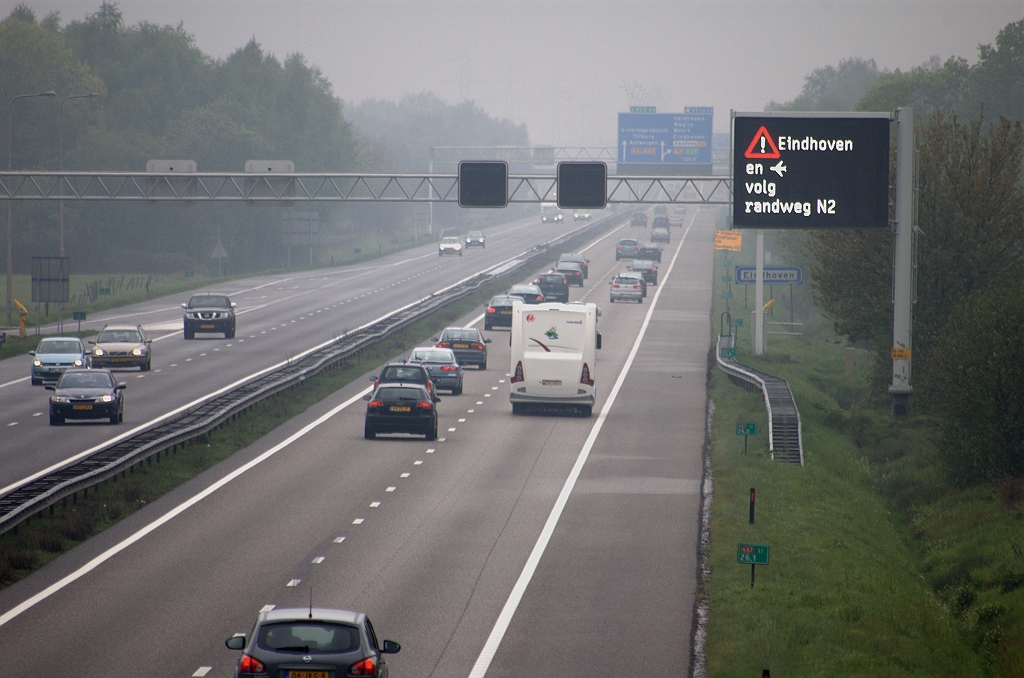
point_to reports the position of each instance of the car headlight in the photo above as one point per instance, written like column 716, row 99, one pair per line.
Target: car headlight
column 37, row 363
column 60, row 399
column 141, row 350
column 78, row 362
column 107, row 398
column 98, row 351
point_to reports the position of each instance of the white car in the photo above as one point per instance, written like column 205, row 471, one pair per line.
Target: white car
column 449, row 245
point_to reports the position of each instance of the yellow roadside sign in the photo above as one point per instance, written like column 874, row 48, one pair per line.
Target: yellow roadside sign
column 729, row 240
column 901, row 354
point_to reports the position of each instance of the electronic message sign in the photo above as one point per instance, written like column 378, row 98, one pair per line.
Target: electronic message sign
column 811, row 170
column 665, row 139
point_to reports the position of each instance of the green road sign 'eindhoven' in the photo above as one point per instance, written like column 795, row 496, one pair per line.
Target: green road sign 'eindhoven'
column 752, row 554
column 746, row 428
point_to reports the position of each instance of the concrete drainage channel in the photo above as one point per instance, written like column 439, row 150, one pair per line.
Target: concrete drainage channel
column 46, row 491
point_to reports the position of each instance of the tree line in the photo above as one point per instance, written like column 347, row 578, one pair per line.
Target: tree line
column 160, row 96
column 968, row 318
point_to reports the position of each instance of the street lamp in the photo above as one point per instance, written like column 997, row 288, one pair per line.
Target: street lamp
column 10, row 199
column 61, row 127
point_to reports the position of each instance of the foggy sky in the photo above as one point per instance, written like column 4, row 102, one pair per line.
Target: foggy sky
column 560, row 66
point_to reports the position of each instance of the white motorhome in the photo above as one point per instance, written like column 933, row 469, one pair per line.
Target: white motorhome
column 554, row 356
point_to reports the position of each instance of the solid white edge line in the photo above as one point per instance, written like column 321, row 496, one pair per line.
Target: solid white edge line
column 483, row 661
column 16, row 381
column 173, row 513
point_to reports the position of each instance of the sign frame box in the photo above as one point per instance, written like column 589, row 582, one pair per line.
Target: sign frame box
column 752, row 554
column 746, row 428
column 279, row 190
column 773, row 275
column 811, row 170
column 172, row 189
column 665, row 143
column 582, row 185
column 483, row 183
column 51, row 280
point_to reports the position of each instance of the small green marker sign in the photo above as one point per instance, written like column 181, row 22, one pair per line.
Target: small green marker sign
column 727, row 295
column 738, row 322
column 78, row 315
column 729, row 352
column 643, row 109
column 746, row 428
column 752, row 554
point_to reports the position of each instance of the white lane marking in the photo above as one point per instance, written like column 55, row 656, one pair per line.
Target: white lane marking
column 417, row 462
column 173, row 513
column 606, row 235
column 483, row 662
column 501, row 381
column 405, row 475
column 357, row 521
column 451, row 429
column 430, row 450
column 202, row 671
column 37, row 414
column 493, row 388
column 460, row 421
column 318, row 560
column 338, row 540
column 16, row 381
column 174, row 364
column 13, row 423
column 441, row 440
column 475, row 320
column 468, row 412
column 488, row 395
column 374, row 504
column 293, row 583
column 479, row 402
column 390, row 489
column 267, row 608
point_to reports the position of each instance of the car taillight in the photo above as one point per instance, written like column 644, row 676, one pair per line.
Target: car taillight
column 367, row 667
column 540, row 297
column 250, row 665
column 585, row 376
column 615, row 287
column 448, row 368
column 424, row 404
column 518, row 376
column 636, row 287
column 490, row 309
column 444, row 344
column 376, row 403
column 478, row 347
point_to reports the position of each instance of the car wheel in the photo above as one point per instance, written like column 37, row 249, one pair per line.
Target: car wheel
column 431, row 433
column 460, row 254
column 230, row 335
column 483, row 365
column 36, row 382
column 368, row 432
column 120, row 416
column 190, row 335
column 640, row 300
column 487, row 328
column 457, row 390
column 55, row 420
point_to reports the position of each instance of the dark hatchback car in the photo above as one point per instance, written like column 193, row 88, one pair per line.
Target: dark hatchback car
column 499, row 311
column 528, row 292
column 638, row 219
column 577, row 259
column 401, row 408
column 209, row 313
column 86, row 394
column 660, row 221
column 468, row 345
column 312, row 643
column 572, row 272
column 406, row 373
column 647, row 269
column 626, row 249
column 554, row 286
column 444, row 369
column 649, row 251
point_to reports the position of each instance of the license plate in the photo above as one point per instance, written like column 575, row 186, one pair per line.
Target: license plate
column 461, row 345
column 400, row 408
column 119, row 360
column 308, row 674
column 206, row 327
column 83, row 407
column 506, row 312
column 551, row 382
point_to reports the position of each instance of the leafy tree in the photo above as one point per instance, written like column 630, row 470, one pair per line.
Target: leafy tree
column 933, row 86
column 832, row 88
column 997, row 81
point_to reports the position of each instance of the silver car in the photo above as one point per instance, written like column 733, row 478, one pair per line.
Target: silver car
column 442, row 366
column 122, row 346
column 449, row 245
column 625, row 288
column 54, row 356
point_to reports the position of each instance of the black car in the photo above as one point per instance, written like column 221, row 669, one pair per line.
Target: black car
column 86, row 394
column 649, row 252
column 638, row 219
column 572, row 272
column 311, row 641
column 499, row 312
column 209, row 313
column 468, row 345
column 554, row 286
column 577, row 259
column 401, row 408
column 528, row 292
column 660, row 221
column 647, row 269
column 406, row 373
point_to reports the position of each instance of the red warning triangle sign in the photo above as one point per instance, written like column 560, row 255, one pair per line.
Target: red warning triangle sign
column 758, row 148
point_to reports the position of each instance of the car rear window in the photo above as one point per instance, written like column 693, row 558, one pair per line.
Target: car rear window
column 432, row 356
column 403, row 373
column 623, row 280
column 400, row 393
column 209, row 301
column 309, row 637
column 119, row 337
column 552, row 278
column 461, row 335
column 50, row 346
column 85, row 380
column 629, row 243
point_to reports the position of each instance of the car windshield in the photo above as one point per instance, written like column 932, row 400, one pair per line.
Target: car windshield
column 475, row 234
column 209, row 301
column 85, row 380
column 400, row 393
column 309, row 637
column 59, row 346
column 461, row 335
column 119, row 337
column 403, row 373
column 523, row 289
column 433, row 356
column 449, row 241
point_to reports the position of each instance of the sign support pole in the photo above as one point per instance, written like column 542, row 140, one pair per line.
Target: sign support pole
column 758, row 347
column 903, row 271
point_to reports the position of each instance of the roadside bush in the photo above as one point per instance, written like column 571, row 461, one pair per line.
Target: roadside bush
column 978, row 393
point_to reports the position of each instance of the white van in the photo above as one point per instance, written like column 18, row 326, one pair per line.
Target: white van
column 550, row 212
column 554, row 356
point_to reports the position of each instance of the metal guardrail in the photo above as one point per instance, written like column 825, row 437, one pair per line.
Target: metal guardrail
column 785, row 436
column 46, row 491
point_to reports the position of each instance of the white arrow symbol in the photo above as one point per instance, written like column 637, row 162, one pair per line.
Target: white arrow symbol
column 623, row 151
column 778, row 168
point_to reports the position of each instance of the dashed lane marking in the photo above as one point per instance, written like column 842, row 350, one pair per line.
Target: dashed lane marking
column 202, row 671
column 374, row 504
column 357, row 521
column 293, row 583
column 318, row 560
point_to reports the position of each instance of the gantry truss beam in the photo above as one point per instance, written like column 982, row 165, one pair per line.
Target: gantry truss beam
column 539, row 155
column 287, row 189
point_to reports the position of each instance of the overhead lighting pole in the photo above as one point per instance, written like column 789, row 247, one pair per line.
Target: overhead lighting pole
column 61, row 153
column 10, row 146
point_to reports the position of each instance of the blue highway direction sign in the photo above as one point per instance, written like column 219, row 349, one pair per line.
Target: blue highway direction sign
column 665, row 138
column 771, row 275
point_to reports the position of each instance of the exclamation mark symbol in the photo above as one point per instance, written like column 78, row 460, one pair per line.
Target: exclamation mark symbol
column 762, row 145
